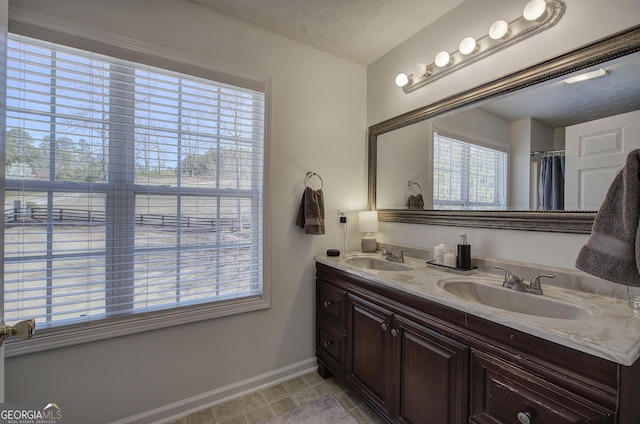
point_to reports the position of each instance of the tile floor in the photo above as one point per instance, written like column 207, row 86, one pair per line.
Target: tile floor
column 262, row 405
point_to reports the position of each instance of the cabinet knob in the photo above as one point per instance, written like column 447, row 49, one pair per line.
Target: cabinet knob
column 524, row 418
column 385, row 326
column 327, row 303
column 328, row 343
column 394, row 332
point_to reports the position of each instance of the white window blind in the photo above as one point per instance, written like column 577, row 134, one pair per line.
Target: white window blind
column 467, row 176
column 129, row 189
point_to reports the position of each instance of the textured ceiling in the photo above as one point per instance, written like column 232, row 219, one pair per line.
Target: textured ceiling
column 557, row 104
column 365, row 30
column 358, row 30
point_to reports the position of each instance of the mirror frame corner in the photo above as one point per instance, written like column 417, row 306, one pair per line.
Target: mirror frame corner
column 578, row 222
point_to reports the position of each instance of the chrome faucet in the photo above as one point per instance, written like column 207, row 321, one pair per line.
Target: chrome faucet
column 513, row 282
column 535, row 286
column 394, row 257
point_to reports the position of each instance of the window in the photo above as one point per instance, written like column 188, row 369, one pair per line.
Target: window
column 467, row 176
column 129, row 189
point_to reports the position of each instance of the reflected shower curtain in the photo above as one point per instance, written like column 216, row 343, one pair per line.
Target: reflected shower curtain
column 551, row 187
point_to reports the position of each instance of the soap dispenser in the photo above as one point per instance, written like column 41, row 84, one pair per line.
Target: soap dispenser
column 464, row 253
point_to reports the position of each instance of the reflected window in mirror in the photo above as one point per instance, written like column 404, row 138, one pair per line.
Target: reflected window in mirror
column 468, row 176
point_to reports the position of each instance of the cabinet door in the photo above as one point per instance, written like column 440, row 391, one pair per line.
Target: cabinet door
column 331, row 302
column 432, row 373
column 369, row 350
column 504, row 394
column 330, row 348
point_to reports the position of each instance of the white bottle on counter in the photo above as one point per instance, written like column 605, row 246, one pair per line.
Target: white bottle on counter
column 438, row 254
column 450, row 259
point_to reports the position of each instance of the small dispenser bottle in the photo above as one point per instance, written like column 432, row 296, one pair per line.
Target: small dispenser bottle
column 464, row 253
column 438, row 253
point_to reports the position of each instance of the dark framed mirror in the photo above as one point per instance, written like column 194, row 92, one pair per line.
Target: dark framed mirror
column 617, row 47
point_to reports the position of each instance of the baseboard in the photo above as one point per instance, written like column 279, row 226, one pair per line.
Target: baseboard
column 173, row 412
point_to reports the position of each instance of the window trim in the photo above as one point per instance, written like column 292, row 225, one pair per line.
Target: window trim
column 62, row 32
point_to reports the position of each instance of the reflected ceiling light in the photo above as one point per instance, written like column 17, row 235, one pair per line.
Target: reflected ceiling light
column 534, row 10
column 442, row 59
column 467, row 45
column 402, row 80
column 587, row 76
column 498, row 29
column 538, row 15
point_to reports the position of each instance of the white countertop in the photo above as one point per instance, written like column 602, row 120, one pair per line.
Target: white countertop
column 612, row 332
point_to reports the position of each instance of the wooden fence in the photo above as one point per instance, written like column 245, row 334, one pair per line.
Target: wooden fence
column 74, row 216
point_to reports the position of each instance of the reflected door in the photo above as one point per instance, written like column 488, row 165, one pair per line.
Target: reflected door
column 595, row 152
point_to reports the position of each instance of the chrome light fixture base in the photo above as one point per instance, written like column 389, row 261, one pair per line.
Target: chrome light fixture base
column 518, row 30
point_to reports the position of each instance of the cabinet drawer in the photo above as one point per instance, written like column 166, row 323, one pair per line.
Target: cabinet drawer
column 331, row 301
column 330, row 346
column 504, row 393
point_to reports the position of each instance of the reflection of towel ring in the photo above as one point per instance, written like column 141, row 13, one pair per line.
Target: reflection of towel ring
column 412, row 185
column 309, row 176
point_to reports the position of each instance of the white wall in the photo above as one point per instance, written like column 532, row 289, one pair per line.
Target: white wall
column 318, row 124
column 584, row 21
column 409, row 146
column 479, row 126
column 527, row 135
column 520, row 163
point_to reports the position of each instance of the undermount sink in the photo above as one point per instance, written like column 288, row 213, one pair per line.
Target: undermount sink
column 377, row 264
column 496, row 296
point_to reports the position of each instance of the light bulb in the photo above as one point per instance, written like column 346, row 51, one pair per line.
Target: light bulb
column 498, row 29
column 442, row 59
column 534, row 9
column 467, row 46
column 420, row 69
column 402, row 80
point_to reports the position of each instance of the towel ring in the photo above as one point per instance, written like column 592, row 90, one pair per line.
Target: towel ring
column 412, row 185
column 311, row 175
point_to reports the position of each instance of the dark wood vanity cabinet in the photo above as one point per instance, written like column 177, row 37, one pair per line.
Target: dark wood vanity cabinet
column 331, row 345
column 394, row 361
column 419, row 362
column 390, row 359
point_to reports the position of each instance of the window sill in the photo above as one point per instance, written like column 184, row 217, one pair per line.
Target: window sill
column 70, row 335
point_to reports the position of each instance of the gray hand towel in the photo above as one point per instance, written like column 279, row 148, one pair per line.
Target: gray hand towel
column 612, row 252
column 311, row 212
column 416, row 202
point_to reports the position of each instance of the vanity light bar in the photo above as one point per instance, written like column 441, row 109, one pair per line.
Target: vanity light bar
column 538, row 16
column 587, row 76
